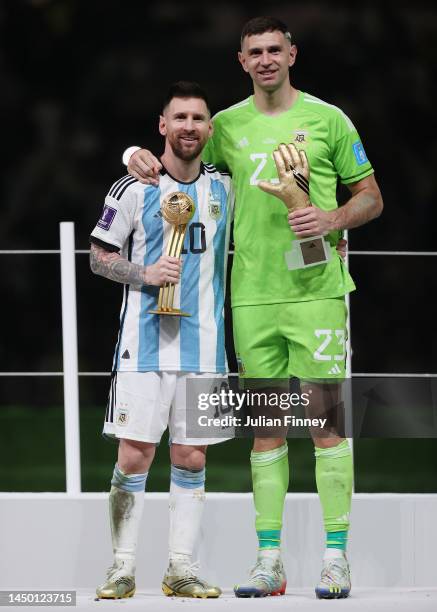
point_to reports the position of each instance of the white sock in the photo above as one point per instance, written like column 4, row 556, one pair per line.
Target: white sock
column 125, row 511
column 186, row 509
column 270, row 553
column 333, row 553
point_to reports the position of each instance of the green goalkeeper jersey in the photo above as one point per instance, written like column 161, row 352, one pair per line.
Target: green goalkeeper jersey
column 243, row 142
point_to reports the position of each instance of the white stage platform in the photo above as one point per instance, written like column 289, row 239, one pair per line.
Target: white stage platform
column 52, row 541
column 361, row 600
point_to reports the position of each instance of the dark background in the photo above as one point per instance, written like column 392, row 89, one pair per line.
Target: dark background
column 81, row 80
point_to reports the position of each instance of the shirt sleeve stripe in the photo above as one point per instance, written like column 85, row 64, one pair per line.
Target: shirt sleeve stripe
column 112, row 248
column 357, row 177
column 117, row 183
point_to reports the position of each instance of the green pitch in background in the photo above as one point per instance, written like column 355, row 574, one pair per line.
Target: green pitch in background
column 33, row 458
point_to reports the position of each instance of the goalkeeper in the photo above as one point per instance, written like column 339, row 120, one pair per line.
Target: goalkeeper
column 290, row 317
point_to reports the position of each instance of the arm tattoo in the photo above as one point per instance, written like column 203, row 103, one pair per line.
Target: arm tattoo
column 115, row 267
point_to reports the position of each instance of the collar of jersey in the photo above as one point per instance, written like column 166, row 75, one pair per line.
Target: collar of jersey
column 292, row 108
column 164, row 171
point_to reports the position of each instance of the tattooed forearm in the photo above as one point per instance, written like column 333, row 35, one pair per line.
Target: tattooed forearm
column 115, row 267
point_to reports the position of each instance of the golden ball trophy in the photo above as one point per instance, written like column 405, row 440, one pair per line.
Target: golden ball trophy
column 177, row 209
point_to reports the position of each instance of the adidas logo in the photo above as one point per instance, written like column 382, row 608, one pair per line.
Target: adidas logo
column 335, row 370
column 126, row 355
column 243, row 143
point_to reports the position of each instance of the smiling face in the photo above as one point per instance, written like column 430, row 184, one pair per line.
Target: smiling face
column 186, row 124
column 267, row 57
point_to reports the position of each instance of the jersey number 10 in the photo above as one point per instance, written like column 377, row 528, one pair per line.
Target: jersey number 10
column 196, row 238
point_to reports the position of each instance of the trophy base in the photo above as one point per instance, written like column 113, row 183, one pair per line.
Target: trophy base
column 308, row 252
column 170, row 311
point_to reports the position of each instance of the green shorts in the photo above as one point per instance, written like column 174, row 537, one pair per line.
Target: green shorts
column 302, row 339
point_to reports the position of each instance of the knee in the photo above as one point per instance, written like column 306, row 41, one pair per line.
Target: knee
column 261, row 445
column 327, row 441
column 188, row 457
column 135, row 457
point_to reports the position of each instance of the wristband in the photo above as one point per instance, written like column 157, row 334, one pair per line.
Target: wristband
column 128, row 154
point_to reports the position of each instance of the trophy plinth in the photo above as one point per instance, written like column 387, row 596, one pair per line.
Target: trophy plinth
column 177, row 209
column 308, row 252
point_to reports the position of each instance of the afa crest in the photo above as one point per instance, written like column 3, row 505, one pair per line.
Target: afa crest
column 300, row 136
column 122, row 417
column 214, row 208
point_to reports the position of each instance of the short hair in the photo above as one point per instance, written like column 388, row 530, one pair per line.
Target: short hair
column 259, row 25
column 185, row 89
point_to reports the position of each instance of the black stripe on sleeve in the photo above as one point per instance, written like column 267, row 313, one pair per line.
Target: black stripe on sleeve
column 129, row 179
column 357, row 177
column 211, row 169
column 112, row 248
column 117, row 183
column 125, row 186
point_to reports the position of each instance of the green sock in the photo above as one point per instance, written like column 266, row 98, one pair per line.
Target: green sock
column 270, row 476
column 336, row 539
column 334, row 477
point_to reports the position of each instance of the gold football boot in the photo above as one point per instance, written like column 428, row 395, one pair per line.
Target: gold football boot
column 183, row 582
column 120, row 583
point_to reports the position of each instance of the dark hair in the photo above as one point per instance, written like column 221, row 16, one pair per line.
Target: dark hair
column 259, row 25
column 185, row 89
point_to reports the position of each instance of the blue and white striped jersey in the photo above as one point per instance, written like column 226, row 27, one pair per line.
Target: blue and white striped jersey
column 131, row 223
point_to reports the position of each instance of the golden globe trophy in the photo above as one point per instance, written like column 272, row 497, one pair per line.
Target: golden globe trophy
column 177, row 209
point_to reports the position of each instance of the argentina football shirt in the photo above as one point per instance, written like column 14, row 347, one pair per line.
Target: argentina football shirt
column 131, row 223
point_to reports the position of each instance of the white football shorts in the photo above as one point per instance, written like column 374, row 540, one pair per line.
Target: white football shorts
column 142, row 405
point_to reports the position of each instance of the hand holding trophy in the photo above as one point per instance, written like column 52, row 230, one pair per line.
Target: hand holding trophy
column 293, row 189
column 294, row 173
column 177, row 209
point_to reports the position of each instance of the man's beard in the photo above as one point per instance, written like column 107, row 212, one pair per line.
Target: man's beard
column 181, row 153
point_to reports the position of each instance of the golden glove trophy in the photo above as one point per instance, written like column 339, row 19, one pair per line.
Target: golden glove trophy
column 177, row 209
column 293, row 189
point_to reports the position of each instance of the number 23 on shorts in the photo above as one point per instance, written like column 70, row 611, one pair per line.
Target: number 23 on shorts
column 332, row 346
